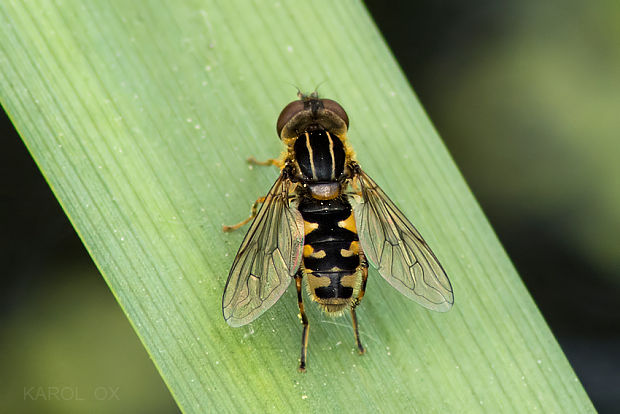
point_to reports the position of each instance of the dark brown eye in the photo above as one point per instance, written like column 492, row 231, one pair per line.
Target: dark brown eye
column 289, row 112
column 335, row 107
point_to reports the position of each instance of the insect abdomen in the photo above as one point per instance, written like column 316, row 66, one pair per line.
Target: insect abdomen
column 331, row 252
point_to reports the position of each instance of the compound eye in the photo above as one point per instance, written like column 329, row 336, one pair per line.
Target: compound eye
column 288, row 113
column 335, row 107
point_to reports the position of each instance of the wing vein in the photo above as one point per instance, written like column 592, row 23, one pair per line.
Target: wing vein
column 267, row 259
column 397, row 249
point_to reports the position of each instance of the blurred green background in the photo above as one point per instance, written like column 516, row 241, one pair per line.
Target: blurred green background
column 526, row 96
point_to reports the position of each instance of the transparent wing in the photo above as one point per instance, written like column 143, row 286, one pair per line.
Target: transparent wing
column 393, row 245
column 267, row 259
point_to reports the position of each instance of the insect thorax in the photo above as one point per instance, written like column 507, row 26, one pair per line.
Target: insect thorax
column 320, row 156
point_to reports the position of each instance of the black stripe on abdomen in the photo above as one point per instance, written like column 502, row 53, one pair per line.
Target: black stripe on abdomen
column 333, row 258
column 335, row 288
column 331, row 249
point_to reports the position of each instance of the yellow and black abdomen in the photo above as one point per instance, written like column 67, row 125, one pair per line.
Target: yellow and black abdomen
column 331, row 252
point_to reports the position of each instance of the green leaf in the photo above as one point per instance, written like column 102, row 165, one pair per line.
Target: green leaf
column 140, row 116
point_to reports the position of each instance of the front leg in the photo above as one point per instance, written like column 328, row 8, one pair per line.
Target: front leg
column 271, row 161
column 253, row 213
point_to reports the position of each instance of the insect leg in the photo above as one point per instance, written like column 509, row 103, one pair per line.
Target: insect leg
column 360, row 347
column 360, row 295
column 253, row 213
column 364, row 270
column 271, row 161
column 304, row 321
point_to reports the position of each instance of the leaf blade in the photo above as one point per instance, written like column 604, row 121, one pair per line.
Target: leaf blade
column 140, row 116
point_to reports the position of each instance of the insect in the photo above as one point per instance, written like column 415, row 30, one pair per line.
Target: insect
column 324, row 220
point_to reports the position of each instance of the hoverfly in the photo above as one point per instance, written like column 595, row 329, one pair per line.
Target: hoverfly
column 325, row 220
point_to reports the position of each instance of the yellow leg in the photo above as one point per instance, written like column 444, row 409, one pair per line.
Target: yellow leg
column 253, row 213
column 271, row 161
column 304, row 321
column 360, row 295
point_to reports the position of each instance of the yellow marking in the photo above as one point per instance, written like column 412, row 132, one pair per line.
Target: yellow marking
column 349, row 224
column 310, row 227
column 351, row 251
column 346, row 253
column 350, row 280
column 311, row 155
column 331, row 152
column 315, row 282
column 309, row 252
column 333, row 306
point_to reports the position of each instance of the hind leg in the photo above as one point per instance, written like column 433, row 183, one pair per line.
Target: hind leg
column 360, row 295
column 304, row 321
